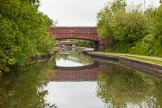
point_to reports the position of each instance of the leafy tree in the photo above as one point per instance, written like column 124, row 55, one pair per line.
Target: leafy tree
column 123, row 28
column 84, row 43
column 151, row 44
column 21, row 29
column 157, row 31
column 105, row 15
column 130, row 30
column 118, row 5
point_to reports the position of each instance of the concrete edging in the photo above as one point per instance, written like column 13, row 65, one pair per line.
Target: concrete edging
column 145, row 67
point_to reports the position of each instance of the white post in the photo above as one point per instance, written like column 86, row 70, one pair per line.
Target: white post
column 144, row 6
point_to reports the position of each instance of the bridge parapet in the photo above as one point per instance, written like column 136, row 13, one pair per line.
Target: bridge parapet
column 87, row 33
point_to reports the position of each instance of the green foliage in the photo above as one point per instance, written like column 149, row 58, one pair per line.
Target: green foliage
column 124, row 28
column 105, row 16
column 84, row 43
column 118, row 5
column 21, row 29
column 158, row 22
column 47, row 45
column 151, row 44
column 131, row 31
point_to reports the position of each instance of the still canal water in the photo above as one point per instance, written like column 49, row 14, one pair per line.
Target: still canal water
column 78, row 81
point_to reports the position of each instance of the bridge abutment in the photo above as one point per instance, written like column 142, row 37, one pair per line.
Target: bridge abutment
column 96, row 45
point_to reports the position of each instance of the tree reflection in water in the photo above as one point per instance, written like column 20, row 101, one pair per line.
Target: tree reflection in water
column 22, row 88
column 77, row 57
column 121, row 87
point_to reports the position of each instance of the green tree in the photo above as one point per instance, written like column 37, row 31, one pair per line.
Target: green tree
column 118, row 5
column 122, row 29
column 21, row 29
column 157, row 31
column 105, row 15
column 151, row 44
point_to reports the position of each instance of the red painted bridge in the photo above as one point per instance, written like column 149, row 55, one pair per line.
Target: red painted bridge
column 84, row 33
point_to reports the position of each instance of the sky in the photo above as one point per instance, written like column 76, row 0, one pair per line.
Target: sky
column 80, row 12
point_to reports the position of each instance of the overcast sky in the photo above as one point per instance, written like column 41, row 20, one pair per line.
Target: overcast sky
column 79, row 12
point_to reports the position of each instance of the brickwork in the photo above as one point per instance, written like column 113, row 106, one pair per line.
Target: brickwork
column 74, row 75
column 59, row 43
column 87, row 33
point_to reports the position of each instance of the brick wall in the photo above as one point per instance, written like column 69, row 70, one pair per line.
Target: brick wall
column 88, row 33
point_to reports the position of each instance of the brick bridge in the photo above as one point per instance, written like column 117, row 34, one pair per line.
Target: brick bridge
column 84, row 33
column 60, row 43
column 83, row 73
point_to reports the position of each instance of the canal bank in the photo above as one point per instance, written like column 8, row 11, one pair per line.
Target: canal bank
column 150, row 67
column 41, row 57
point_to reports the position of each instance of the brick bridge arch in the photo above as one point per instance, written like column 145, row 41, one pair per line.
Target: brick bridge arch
column 84, row 33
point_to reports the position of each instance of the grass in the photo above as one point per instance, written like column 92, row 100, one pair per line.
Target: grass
column 135, row 57
column 56, row 48
column 145, row 59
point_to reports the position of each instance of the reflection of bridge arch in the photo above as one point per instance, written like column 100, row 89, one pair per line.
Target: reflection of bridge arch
column 82, row 73
column 62, row 51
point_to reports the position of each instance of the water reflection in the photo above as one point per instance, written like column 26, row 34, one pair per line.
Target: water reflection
column 94, row 84
column 75, row 59
column 120, row 87
column 74, row 86
column 81, row 73
column 73, row 94
column 75, row 67
column 115, row 85
column 22, row 88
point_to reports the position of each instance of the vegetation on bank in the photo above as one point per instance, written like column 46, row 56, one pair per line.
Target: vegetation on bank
column 84, row 43
column 23, row 32
column 130, row 30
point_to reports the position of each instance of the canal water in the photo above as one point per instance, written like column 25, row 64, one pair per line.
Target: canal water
column 78, row 81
